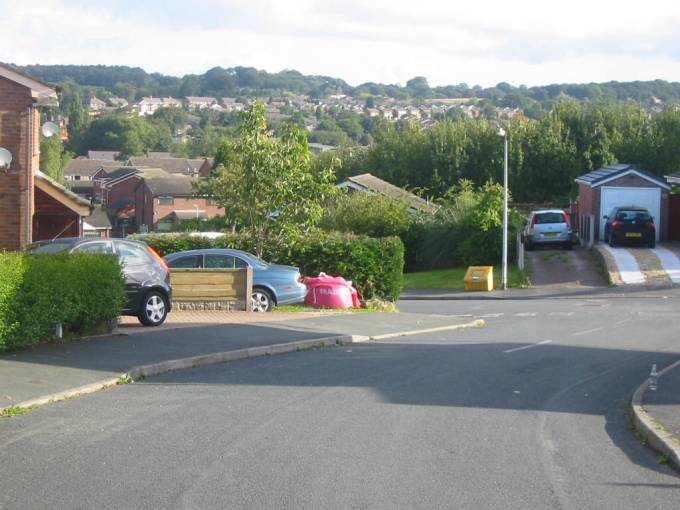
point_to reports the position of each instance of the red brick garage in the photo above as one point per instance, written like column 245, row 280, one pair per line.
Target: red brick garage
column 623, row 184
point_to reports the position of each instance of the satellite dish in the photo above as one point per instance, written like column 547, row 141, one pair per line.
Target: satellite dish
column 49, row 129
column 5, row 158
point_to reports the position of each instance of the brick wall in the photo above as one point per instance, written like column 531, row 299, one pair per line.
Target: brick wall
column 15, row 205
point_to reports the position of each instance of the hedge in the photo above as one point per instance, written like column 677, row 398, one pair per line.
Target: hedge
column 37, row 291
column 374, row 265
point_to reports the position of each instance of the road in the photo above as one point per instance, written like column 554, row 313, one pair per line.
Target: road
column 529, row 412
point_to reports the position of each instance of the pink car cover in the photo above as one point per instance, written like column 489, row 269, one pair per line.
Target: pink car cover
column 326, row 291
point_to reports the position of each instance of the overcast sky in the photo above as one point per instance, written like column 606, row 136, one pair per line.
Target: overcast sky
column 387, row 41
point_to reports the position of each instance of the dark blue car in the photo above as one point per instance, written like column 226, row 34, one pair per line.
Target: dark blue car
column 273, row 284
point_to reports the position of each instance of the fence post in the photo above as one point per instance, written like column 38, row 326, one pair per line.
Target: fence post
column 520, row 252
column 591, row 230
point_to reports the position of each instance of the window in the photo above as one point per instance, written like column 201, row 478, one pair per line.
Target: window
column 131, row 255
column 95, row 247
column 188, row 262
column 240, row 263
column 549, row 218
column 219, row 261
column 166, row 200
column 164, row 225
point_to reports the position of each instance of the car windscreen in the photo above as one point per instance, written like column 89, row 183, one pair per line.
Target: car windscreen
column 52, row 247
column 632, row 215
column 550, row 217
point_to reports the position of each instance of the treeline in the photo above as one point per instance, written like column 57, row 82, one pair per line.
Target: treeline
column 545, row 156
column 133, row 82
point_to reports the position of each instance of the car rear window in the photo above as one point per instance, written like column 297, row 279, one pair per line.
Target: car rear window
column 632, row 215
column 53, row 247
column 549, row 218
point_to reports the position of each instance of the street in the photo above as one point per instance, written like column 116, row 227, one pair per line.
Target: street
column 528, row 412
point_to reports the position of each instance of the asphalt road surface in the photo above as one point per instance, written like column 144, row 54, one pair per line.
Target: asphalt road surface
column 527, row 413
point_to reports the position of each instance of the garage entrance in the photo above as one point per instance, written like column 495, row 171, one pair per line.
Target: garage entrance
column 649, row 198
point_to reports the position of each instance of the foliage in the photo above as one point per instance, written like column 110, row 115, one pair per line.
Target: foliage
column 265, row 184
column 371, row 215
column 53, row 157
column 375, row 265
column 37, row 291
column 131, row 136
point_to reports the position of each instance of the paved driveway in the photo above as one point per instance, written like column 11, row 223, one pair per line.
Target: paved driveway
column 557, row 268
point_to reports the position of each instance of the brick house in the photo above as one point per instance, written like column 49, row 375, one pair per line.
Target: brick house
column 161, row 202
column 32, row 206
column 623, row 184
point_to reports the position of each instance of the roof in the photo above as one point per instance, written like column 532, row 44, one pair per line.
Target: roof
column 107, row 155
column 65, row 197
column 673, row 178
column 609, row 173
column 98, row 220
column 368, row 182
column 172, row 186
column 40, row 91
column 170, row 165
column 89, row 167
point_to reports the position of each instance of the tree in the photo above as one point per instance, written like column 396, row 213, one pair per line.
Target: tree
column 77, row 121
column 419, row 87
column 266, row 184
column 53, row 159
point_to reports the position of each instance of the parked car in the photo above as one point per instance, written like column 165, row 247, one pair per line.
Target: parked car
column 147, row 279
column 273, row 284
column 630, row 224
column 547, row 227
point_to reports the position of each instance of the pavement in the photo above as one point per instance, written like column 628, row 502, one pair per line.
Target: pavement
column 58, row 371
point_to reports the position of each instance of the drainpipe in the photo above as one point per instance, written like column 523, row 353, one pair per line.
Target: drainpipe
column 29, row 173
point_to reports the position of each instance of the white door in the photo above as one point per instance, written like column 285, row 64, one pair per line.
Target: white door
column 649, row 198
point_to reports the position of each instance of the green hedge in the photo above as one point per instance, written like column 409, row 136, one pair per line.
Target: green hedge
column 37, row 291
column 375, row 265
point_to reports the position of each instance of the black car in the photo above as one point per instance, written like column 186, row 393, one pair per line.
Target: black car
column 630, row 224
column 147, row 279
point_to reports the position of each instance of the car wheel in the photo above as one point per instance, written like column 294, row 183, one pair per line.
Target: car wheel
column 154, row 309
column 567, row 245
column 652, row 243
column 528, row 246
column 262, row 300
column 612, row 243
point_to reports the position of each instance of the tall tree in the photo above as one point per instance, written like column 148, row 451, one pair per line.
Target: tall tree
column 266, row 184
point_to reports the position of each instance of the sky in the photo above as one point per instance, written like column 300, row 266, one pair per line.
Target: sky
column 524, row 42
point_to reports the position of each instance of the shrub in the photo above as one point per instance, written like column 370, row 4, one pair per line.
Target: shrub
column 375, row 265
column 37, row 291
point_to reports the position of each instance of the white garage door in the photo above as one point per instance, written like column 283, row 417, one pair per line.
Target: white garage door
column 649, row 198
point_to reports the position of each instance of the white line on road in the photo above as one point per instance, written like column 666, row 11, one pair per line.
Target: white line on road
column 670, row 263
column 586, row 331
column 490, row 315
column 528, row 346
column 526, row 314
column 562, row 314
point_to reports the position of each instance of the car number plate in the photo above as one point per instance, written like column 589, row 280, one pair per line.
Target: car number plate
column 633, row 234
column 550, row 234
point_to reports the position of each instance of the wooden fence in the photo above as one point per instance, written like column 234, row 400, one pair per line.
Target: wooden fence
column 212, row 289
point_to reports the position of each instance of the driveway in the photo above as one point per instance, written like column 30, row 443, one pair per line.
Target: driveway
column 648, row 267
column 568, row 269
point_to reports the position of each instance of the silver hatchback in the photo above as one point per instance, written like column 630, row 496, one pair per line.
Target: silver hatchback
column 547, row 227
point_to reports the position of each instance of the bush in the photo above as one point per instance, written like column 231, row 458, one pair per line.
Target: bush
column 37, row 291
column 375, row 265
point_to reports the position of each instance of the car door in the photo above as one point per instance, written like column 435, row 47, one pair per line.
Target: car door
column 138, row 269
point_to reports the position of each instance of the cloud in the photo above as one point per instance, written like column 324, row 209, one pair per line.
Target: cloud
column 385, row 41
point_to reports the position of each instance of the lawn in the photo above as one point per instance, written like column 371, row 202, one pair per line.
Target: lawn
column 452, row 278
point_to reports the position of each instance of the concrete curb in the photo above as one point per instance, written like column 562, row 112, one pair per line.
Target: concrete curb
column 222, row 357
column 649, row 429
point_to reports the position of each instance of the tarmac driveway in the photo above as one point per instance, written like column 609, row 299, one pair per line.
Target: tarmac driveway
column 558, row 268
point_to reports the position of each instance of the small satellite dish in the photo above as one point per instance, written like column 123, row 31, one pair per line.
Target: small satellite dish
column 5, row 158
column 49, row 129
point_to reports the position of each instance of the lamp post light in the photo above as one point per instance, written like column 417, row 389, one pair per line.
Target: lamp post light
column 504, row 134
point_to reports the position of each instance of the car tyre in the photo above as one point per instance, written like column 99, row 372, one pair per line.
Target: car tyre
column 568, row 245
column 528, row 245
column 612, row 242
column 651, row 244
column 154, row 309
column 262, row 300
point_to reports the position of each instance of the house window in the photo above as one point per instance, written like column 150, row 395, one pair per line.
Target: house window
column 164, row 225
column 166, row 200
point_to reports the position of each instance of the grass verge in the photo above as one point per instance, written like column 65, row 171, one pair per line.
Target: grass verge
column 452, row 278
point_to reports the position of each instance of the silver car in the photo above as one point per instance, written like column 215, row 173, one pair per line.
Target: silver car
column 273, row 284
column 547, row 227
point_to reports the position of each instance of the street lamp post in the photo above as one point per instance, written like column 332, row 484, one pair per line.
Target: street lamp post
column 504, row 134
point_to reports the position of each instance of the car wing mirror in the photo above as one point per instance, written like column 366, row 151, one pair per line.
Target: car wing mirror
column 605, row 217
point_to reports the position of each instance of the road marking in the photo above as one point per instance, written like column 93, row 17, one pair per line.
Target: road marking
column 490, row 315
column 527, row 346
column 562, row 314
column 623, row 321
column 627, row 265
column 670, row 263
column 586, row 331
column 526, row 314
